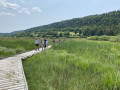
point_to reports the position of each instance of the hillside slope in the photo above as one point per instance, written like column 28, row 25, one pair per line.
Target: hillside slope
column 103, row 24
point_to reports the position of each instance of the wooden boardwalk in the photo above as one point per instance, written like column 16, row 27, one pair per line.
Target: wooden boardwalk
column 11, row 72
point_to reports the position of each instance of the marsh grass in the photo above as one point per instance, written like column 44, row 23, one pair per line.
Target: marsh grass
column 5, row 52
column 105, row 38
column 14, row 43
column 11, row 46
column 75, row 65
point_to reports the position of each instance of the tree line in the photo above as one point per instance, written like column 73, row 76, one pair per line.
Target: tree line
column 103, row 24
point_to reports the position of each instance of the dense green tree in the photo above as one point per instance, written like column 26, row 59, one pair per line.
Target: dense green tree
column 80, row 32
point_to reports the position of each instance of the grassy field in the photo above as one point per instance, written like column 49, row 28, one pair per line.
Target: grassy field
column 11, row 46
column 105, row 38
column 75, row 65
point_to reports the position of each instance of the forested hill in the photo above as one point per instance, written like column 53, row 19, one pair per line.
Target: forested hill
column 103, row 24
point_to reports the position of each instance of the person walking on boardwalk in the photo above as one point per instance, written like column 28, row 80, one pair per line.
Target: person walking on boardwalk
column 37, row 44
column 46, row 43
column 42, row 43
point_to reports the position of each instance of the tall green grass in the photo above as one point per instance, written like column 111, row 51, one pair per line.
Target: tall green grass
column 14, row 43
column 105, row 38
column 10, row 46
column 75, row 65
column 8, row 52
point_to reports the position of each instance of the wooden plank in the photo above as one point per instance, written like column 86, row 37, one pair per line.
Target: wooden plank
column 11, row 71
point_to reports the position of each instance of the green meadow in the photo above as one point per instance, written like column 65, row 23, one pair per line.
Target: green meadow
column 11, row 46
column 75, row 65
column 105, row 38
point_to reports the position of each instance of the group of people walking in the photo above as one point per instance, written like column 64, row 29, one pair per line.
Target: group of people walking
column 44, row 43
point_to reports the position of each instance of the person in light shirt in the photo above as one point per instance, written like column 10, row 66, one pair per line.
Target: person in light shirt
column 46, row 43
column 37, row 44
column 42, row 43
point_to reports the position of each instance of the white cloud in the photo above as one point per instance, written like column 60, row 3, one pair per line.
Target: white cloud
column 6, row 4
column 22, row 1
column 36, row 9
column 9, row 14
column 24, row 10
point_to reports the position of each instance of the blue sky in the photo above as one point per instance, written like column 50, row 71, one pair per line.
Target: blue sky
column 18, row 15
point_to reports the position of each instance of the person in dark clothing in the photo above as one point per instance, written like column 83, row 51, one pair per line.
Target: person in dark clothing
column 45, row 43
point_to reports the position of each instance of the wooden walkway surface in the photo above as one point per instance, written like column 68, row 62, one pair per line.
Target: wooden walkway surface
column 11, row 72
